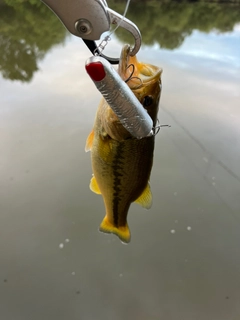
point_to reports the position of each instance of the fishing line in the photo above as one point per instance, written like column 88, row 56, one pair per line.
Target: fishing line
column 123, row 17
column 105, row 41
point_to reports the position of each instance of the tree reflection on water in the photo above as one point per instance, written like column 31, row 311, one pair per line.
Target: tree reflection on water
column 28, row 29
column 168, row 22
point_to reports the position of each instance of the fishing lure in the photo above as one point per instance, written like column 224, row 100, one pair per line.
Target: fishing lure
column 120, row 97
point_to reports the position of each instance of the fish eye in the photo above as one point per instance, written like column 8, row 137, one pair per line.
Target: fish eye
column 147, row 101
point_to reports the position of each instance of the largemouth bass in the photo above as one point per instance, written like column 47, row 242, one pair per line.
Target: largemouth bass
column 121, row 163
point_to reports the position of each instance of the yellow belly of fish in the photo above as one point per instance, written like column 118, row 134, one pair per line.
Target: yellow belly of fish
column 121, row 174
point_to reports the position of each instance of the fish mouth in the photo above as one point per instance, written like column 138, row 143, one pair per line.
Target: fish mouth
column 135, row 73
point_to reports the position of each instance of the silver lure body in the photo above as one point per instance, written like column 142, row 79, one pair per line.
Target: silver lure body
column 122, row 100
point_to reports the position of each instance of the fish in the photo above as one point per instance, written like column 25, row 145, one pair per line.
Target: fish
column 121, row 163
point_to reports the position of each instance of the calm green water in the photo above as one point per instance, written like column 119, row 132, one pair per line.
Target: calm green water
column 184, row 257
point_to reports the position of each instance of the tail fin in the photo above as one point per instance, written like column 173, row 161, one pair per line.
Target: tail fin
column 122, row 232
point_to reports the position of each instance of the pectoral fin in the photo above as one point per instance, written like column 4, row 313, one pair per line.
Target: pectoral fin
column 122, row 232
column 89, row 141
column 145, row 199
column 94, row 186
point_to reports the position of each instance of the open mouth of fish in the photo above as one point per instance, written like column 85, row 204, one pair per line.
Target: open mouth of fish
column 135, row 73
